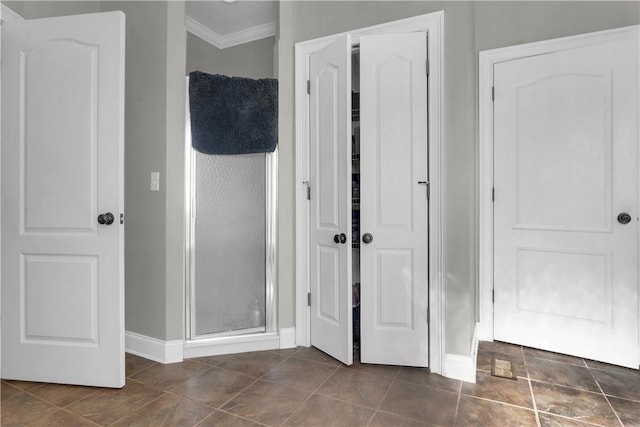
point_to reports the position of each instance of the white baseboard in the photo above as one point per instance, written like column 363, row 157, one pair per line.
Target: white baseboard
column 463, row 367
column 231, row 345
column 178, row 350
column 288, row 338
column 153, row 348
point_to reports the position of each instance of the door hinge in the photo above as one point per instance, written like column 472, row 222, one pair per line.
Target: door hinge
column 493, row 93
column 308, row 299
column 493, row 194
column 493, row 296
column 308, row 87
column 427, row 67
column 427, row 185
column 308, row 189
column 428, row 314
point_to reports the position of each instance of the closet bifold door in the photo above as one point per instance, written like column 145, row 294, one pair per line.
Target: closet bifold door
column 330, row 199
column 393, row 199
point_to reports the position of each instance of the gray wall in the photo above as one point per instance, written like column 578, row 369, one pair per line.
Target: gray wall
column 154, row 138
column 175, row 205
column 253, row 60
column 154, row 120
column 45, row 9
column 469, row 27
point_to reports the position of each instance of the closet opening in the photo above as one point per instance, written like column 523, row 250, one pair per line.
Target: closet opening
column 355, row 197
column 231, row 211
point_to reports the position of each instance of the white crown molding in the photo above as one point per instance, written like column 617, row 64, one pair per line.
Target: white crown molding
column 233, row 39
column 9, row 15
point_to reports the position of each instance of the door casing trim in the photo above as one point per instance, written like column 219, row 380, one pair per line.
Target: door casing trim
column 432, row 24
column 487, row 60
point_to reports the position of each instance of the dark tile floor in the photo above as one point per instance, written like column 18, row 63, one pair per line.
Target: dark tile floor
column 305, row 387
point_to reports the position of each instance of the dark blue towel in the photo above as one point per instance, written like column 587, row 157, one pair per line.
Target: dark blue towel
column 233, row 115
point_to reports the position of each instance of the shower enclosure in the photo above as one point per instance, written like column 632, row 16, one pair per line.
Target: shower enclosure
column 230, row 256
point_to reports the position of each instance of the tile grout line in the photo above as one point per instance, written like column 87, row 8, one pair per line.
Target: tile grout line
column 233, row 415
column 564, row 385
column 569, row 387
column 455, row 412
column 215, row 408
column 59, row 408
column 238, row 393
column 137, row 408
column 359, row 405
column 153, row 363
column 384, row 397
column 30, row 393
column 133, row 411
column 310, row 395
column 54, row 405
column 219, row 408
column 261, row 377
column 500, row 402
column 606, row 397
column 533, row 397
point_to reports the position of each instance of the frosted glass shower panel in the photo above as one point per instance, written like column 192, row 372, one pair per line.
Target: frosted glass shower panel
column 229, row 243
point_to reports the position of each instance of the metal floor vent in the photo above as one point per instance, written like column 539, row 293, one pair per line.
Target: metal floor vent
column 502, row 369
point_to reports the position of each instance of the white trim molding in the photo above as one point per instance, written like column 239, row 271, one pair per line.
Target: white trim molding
column 9, row 15
column 153, row 348
column 433, row 25
column 463, row 367
column 177, row 350
column 231, row 345
column 287, row 338
column 487, row 60
column 224, row 41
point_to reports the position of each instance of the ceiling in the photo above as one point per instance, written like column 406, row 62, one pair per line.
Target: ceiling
column 229, row 23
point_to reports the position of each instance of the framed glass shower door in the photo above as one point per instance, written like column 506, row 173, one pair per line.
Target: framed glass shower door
column 231, row 219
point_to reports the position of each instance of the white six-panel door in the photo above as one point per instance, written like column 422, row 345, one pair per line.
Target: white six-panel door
column 330, row 200
column 566, row 166
column 62, row 167
column 393, row 199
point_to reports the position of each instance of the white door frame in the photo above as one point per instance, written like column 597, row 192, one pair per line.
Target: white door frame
column 487, row 60
column 432, row 24
column 6, row 15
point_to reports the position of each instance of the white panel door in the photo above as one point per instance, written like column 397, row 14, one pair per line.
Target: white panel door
column 566, row 165
column 393, row 199
column 62, row 167
column 330, row 201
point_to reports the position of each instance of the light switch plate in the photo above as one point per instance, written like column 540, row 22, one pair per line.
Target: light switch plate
column 155, row 181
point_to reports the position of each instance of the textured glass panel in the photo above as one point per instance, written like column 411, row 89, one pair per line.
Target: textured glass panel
column 229, row 243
